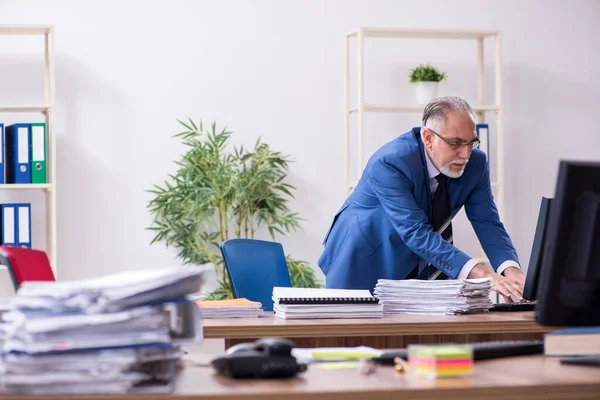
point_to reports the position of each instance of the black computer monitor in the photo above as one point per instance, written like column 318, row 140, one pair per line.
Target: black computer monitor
column 539, row 238
column 569, row 284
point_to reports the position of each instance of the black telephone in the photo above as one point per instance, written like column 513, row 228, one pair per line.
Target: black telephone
column 264, row 358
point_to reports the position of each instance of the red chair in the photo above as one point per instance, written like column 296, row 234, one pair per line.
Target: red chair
column 26, row 264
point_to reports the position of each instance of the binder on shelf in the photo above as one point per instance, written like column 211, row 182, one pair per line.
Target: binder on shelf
column 15, row 220
column 8, row 225
column 2, row 163
column 38, row 152
column 483, row 133
column 16, row 142
column 24, row 225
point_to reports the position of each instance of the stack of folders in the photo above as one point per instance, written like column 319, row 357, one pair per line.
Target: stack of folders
column 233, row 308
column 15, row 224
column 308, row 303
column 115, row 334
column 23, row 146
column 414, row 296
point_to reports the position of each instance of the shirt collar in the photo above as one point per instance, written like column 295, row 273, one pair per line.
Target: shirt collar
column 432, row 171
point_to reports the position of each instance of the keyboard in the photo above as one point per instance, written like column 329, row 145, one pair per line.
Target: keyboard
column 516, row 306
column 481, row 350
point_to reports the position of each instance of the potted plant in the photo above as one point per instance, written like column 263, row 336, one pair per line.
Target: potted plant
column 426, row 79
column 216, row 195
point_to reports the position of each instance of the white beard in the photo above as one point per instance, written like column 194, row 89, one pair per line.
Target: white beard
column 445, row 169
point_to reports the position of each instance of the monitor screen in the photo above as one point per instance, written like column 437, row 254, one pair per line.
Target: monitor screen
column 569, row 284
column 539, row 238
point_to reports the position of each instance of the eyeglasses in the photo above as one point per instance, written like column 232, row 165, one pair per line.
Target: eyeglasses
column 457, row 144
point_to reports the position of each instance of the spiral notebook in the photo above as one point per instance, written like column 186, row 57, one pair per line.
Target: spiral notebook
column 288, row 295
column 311, row 303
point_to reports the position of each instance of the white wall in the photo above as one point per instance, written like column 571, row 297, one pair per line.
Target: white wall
column 126, row 70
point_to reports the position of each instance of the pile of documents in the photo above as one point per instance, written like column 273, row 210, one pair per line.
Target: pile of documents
column 414, row 296
column 309, row 303
column 233, row 308
column 114, row 334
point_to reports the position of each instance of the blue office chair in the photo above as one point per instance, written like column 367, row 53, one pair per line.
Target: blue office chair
column 254, row 268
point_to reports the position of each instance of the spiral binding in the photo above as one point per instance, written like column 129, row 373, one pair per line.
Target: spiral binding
column 327, row 300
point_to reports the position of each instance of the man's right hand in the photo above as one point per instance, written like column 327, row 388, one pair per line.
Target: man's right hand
column 500, row 284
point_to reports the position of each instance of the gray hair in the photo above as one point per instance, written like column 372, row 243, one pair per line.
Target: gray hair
column 436, row 112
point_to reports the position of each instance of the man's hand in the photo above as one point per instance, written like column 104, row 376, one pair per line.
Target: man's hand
column 515, row 274
column 506, row 286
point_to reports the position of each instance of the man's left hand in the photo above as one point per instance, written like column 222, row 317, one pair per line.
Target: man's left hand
column 516, row 275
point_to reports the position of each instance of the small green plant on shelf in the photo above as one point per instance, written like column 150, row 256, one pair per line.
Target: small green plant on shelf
column 216, row 195
column 426, row 73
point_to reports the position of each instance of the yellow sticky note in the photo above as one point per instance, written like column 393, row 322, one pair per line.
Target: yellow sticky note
column 338, row 365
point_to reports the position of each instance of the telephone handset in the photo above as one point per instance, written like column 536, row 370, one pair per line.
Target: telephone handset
column 264, row 358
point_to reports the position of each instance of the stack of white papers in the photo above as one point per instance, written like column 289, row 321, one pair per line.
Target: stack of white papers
column 110, row 371
column 309, row 303
column 414, row 296
column 232, row 308
column 109, row 293
column 105, row 335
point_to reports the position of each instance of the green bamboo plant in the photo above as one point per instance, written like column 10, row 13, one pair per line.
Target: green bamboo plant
column 216, row 195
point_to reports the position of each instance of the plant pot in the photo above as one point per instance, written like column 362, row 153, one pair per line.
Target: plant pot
column 426, row 91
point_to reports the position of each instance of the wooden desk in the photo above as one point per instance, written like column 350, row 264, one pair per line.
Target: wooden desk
column 535, row 377
column 391, row 331
column 531, row 378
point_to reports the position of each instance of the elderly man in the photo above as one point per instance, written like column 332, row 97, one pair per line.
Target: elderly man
column 396, row 224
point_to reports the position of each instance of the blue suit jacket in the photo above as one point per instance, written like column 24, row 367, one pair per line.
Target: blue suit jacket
column 383, row 231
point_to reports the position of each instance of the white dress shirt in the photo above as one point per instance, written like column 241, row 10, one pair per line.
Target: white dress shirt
column 469, row 265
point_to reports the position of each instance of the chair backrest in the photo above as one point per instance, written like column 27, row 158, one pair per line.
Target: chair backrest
column 26, row 264
column 254, row 268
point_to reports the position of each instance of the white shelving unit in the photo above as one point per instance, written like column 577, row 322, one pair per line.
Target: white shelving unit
column 480, row 108
column 47, row 110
